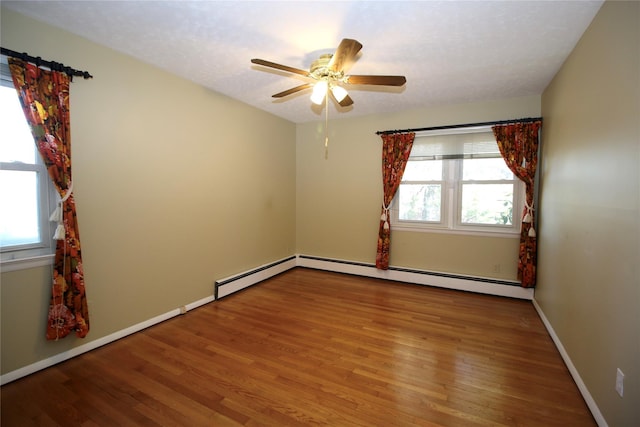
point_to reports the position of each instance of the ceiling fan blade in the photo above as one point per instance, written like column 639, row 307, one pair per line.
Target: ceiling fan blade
column 376, row 80
column 346, row 101
column 345, row 54
column 292, row 90
column 280, row 67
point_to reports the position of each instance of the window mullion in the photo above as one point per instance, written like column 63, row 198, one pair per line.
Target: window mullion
column 451, row 192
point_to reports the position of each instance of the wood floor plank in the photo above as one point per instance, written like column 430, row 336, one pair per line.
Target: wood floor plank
column 309, row 347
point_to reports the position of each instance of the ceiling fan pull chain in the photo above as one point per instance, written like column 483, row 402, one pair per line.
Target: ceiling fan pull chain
column 326, row 147
column 326, row 126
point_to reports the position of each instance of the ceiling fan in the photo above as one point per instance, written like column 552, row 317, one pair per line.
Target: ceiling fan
column 328, row 75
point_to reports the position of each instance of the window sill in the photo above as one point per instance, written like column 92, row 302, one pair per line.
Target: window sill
column 26, row 263
column 470, row 232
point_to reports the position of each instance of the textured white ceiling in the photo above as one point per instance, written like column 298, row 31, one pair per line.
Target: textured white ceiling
column 450, row 51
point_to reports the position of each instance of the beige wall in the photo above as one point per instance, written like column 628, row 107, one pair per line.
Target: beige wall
column 339, row 198
column 175, row 186
column 163, row 212
column 589, row 256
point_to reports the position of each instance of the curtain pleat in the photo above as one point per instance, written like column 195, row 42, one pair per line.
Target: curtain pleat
column 518, row 144
column 45, row 100
column 395, row 154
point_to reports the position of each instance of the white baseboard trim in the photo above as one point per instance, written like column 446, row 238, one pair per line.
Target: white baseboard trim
column 593, row 407
column 420, row 277
column 222, row 288
column 229, row 285
column 238, row 282
column 76, row 351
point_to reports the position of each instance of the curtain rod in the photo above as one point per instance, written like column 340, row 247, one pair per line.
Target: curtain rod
column 466, row 125
column 52, row 65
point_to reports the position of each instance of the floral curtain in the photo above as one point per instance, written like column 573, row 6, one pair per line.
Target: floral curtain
column 518, row 144
column 395, row 154
column 44, row 96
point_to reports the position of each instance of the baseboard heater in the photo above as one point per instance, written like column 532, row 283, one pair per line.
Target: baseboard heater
column 482, row 285
column 229, row 285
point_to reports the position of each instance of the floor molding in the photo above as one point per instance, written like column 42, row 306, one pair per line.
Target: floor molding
column 238, row 282
column 76, row 351
column 591, row 403
column 481, row 285
column 229, row 285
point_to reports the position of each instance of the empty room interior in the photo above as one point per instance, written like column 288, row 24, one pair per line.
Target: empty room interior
column 251, row 256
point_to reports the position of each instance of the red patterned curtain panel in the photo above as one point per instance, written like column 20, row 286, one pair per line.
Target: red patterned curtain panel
column 518, row 144
column 45, row 100
column 395, row 153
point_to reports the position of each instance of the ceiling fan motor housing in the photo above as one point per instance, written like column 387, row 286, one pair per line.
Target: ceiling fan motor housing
column 320, row 69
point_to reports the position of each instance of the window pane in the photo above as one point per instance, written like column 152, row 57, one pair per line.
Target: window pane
column 485, row 169
column 420, row 202
column 487, row 204
column 423, row 170
column 16, row 142
column 19, row 223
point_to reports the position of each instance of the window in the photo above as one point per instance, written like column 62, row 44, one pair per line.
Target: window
column 458, row 182
column 25, row 188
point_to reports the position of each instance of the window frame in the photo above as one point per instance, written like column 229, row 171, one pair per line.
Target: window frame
column 39, row 253
column 451, row 200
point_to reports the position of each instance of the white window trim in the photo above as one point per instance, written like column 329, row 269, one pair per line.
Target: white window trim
column 38, row 254
column 27, row 262
column 452, row 223
column 469, row 230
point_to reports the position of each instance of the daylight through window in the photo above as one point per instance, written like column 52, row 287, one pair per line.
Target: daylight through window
column 24, row 184
column 457, row 181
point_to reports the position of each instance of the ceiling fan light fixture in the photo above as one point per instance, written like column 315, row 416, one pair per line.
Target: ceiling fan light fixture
column 319, row 92
column 339, row 93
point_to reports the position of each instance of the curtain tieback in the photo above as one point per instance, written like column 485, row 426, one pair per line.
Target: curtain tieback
column 528, row 218
column 385, row 215
column 56, row 215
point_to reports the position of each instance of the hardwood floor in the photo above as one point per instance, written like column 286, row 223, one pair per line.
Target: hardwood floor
column 314, row 348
